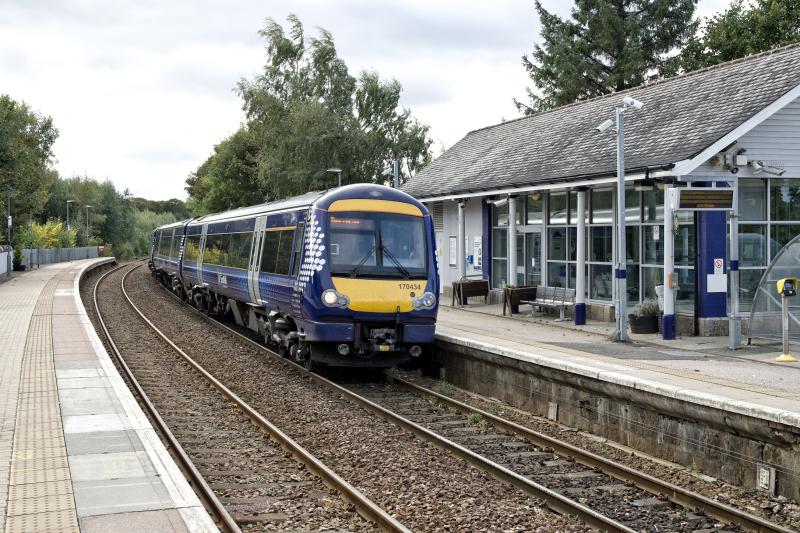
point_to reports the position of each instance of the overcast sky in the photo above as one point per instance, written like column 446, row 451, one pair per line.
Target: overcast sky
column 142, row 90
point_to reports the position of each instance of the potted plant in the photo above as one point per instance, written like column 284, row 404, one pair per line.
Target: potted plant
column 513, row 296
column 16, row 262
column 644, row 318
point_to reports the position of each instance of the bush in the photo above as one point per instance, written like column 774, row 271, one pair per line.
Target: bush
column 647, row 307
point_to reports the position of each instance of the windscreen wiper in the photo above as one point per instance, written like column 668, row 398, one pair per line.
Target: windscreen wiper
column 406, row 274
column 353, row 273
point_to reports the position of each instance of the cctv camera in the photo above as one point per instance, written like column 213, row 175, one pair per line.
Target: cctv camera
column 632, row 103
column 605, row 125
column 775, row 171
column 757, row 166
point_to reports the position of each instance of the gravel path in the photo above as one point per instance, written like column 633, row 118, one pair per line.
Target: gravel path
column 422, row 486
column 261, row 486
column 777, row 509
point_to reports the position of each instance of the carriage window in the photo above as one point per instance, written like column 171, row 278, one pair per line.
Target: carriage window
column 298, row 250
column 404, row 240
column 270, row 251
column 171, row 247
column 284, row 254
column 352, row 243
column 191, row 248
column 216, row 252
column 240, row 245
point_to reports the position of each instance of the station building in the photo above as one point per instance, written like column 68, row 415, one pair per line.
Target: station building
column 517, row 190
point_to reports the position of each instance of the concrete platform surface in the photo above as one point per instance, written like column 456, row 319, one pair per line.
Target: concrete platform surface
column 76, row 451
column 698, row 370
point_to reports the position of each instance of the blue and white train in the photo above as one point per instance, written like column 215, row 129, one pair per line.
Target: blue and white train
column 345, row 277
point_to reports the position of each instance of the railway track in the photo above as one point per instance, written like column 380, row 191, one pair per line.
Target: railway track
column 570, row 480
column 248, row 473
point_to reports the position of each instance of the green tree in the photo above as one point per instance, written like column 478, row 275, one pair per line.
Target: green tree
column 605, row 46
column 26, row 141
column 144, row 222
column 743, row 29
column 304, row 114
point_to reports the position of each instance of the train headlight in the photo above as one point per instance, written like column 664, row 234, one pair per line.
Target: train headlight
column 426, row 301
column 332, row 298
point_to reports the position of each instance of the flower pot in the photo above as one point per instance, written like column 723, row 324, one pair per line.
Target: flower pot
column 19, row 268
column 643, row 324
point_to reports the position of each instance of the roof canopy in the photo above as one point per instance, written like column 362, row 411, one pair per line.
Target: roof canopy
column 681, row 117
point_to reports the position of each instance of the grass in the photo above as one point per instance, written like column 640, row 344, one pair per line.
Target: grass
column 444, row 388
column 476, row 419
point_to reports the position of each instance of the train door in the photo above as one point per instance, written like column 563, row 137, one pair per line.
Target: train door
column 200, row 254
column 255, row 260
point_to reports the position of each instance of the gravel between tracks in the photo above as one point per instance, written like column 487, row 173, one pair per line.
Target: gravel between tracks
column 422, row 486
column 262, row 487
column 777, row 509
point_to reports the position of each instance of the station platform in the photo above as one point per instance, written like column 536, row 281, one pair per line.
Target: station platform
column 76, row 451
column 700, row 370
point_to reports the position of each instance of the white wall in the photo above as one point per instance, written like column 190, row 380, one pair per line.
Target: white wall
column 473, row 215
column 776, row 141
column 4, row 261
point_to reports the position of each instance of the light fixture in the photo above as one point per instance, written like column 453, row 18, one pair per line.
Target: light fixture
column 604, row 125
column 500, row 201
column 757, row 166
column 536, row 196
column 644, row 185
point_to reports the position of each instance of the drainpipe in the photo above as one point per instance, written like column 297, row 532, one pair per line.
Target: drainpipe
column 734, row 322
column 669, row 325
column 580, row 263
column 460, row 245
column 512, row 241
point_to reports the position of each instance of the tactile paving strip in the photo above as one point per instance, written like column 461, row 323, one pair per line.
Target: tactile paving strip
column 40, row 489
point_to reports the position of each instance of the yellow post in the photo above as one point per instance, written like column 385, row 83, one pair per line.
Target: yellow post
column 786, row 287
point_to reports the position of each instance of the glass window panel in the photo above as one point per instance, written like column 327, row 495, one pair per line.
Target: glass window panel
column 602, row 250
column 632, row 282
column 748, row 285
column 632, row 243
column 632, row 211
column 784, row 199
column 239, row 250
column 191, row 248
column 601, row 282
column 684, row 296
column 781, row 235
column 521, row 250
column 684, row 245
column 557, row 243
column 520, row 202
column 499, row 243
column 284, row 252
column 602, row 207
column 651, row 276
column 499, row 272
column 572, row 275
column 269, row 251
column 535, row 208
column 558, row 208
column 298, row 248
column 752, row 200
column 500, row 215
column 752, row 245
column 653, row 205
column 653, row 245
column 216, row 251
column 557, row 274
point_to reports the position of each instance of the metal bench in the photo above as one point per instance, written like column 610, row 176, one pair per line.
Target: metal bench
column 553, row 298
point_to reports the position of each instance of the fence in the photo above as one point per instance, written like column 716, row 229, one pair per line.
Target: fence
column 6, row 255
column 46, row 256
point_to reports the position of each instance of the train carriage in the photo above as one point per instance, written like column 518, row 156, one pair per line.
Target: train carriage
column 343, row 278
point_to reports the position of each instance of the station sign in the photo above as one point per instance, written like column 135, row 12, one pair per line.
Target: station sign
column 702, row 199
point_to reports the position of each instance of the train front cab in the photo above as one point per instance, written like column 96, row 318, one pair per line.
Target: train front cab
column 375, row 299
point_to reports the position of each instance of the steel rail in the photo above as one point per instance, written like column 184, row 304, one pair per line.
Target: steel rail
column 552, row 499
column 365, row 507
column 676, row 494
column 201, row 487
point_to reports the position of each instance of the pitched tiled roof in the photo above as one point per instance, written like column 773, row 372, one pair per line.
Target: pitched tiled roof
column 681, row 117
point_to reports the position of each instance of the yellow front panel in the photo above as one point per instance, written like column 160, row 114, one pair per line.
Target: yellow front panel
column 380, row 295
column 375, row 206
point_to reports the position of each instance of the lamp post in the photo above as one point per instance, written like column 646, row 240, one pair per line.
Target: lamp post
column 87, row 223
column 621, row 303
column 338, row 172
column 68, row 202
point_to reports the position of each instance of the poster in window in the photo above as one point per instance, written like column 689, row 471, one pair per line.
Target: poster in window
column 453, row 250
column 477, row 252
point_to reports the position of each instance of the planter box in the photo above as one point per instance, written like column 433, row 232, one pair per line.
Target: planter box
column 469, row 288
column 19, row 268
column 512, row 296
column 643, row 324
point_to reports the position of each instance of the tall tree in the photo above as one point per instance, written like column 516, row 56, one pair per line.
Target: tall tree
column 306, row 113
column 743, row 29
column 605, row 46
column 26, row 174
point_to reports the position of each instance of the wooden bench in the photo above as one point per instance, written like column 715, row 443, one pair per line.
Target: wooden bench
column 553, row 298
column 514, row 296
column 468, row 288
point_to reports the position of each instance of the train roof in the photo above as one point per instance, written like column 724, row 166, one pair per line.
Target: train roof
column 287, row 204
